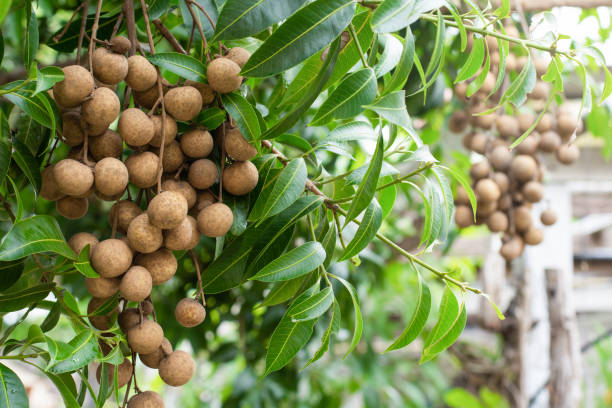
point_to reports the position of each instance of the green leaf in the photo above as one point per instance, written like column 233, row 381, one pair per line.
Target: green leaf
column 473, row 62
column 69, row 41
column 244, row 115
column 47, row 77
column 31, row 38
column 461, row 27
column 243, row 18
column 182, row 65
column 356, row 90
column 32, row 105
column 446, row 195
column 297, row 262
column 521, row 86
column 39, row 233
column 157, row 8
column 404, row 66
column 31, row 134
column 211, row 9
column 5, row 6
column 359, row 173
column 391, row 55
column 82, row 264
column 350, row 132
column 295, row 141
column 419, row 316
column 1, row 36
column 334, row 327
column 84, row 350
column 367, row 188
column 465, row 182
column 211, row 118
column 392, row 107
column 19, row 300
column 10, row 272
column 476, row 84
column 240, row 209
column 329, row 244
column 369, row 225
column 282, row 291
column 607, row 89
column 387, row 196
column 65, row 391
column 358, row 318
column 303, row 81
column 27, row 163
column 303, row 34
column 393, row 15
column 460, row 398
column 503, row 10
column 52, row 317
column 19, row 214
column 287, row 187
column 314, row 306
column 5, row 159
column 12, row 392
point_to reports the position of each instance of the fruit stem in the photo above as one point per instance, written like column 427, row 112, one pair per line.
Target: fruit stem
column 199, row 25
column 94, row 31
column 85, row 7
column 199, row 275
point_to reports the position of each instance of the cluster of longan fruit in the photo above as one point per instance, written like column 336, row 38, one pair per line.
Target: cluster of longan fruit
column 508, row 182
column 173, row 218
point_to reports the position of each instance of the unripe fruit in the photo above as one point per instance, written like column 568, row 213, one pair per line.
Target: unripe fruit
column 223, row 75
column 508, row 127
column 512, row 249
column 135, row 127
column 533, row 191
column 124, row 373
column 120, row 44
column 143, row 169
column 549, row 142
column 49, row 189
column 239, row 55
column 215, row 220
column 126, row 211
column 458, row 122
column 136, row 284
column 147, row 399
column 73, row 178
column 72, row 134
column 109, row 67
column 102, row 287
column 487, row 190
column 141, row 73
column 111, row 258
column 100, row 111
column 129, row 318
column 197, row 143
column 143, row 236
column 189, row 312
column 183, row 188
column 111, row 176
column 101, row 322
column 533, row 236
column 81, row 239
column 477, row 171
column 179, row 237
column 146, row 337
column 72, row 208
column 183, row 103
column 161, row 264
column 464, row 217
column 548, row 217
column 171, row 129
column 108, row 144
column 497, row 222
column 523, row 168
column 76, row 86
column 177, row 368
column 522, row 218
column 167, row 210
column 153, row 359
column 240, row 178
column 203, row 174
column 206, row 92
column 566, row 153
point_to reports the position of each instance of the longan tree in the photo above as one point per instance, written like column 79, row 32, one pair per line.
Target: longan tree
column 215, row 144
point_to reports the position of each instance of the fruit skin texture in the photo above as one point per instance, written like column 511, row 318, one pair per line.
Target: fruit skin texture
column 72, row 208
column 173, row 157
column 487, row 190
column 205, row 198
column 72, row 177
column 49, row 189
column 177, row 369
column 77, row 85
column 100, row 111
column 202, row 174
column 111, row 176
column 208, row 95
column 148, row 97
column 108, row 67
column 183, row 103
column 153, row 359
column 108, row 144
column 533, row 192
column 135, row 127
column 120, row 44
column 111, row 258
column 161, row 264
column 102, row 322
column 497, row 222
column 549, row 142
column 223, row 75
column 79, row 240
column 237, row 146
column 523, row 167
column 215, row 220
column 124, row 372
column 147, row 399
column 508, row 127
column 240, row 178
column 239, row 55
column 171, row 130
column 179, row 238
column 129, row 318
column 102, row 287
column 126, row 211
column 479, row 170
column 522, row 218
column 533, row 236
column 143, row 168
column 512, row 249
column 189, row 312
column 136, row 284
column 72, row 134
column 141, row 73
column 146, row 337
column 143, row 236
column 182, row 187
column 197, row 143
column 167, row 210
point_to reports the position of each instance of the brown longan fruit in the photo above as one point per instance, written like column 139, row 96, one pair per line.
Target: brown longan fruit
column 507, row 126
column 49, row 189
column 484, row 121
column 240, row 178
column 171, row 129
column 477, row 171
column 101, row 322
column 523, row 167
column 197, row 143
column 183, row 188
column 183, row 103
column 568, row 153
column 525, row 120
column 72, row 134
column 486, row 208
column 102, row 287
column 143, row 236
column 72, row 208
column 540, row 91
column 179, row 237
column 479, row 143
column 173, row 157
column 203, row 174
column 136, row 284
column 239, row 55
column 206, row 92
column 113, row 197
column 502, row 181
column 124, row 373
column 205, row 198
column 120, row 44
column 147, row 306
column 458, row 122
column 487, row 190
column 505, row 202
column 566, row 124
column 461, row 196
column 143, row 169
column 73, row 178
column 146, row 399
column 460, row 90
column 141, row 73
column 108, row 144
column 100, row 111
column 109, row 67
column 195, row 233
column 111, row 176
column 522, row 218
column 512, row 249
column 497, row 222
column 126, row 211
column 488, row 84
column 549, row 141
column 223, row 75
column 529, row 145
column 533, row 236
column 135, row 127
column 128, row 318
column 466, row 140
column 237, row 147
column 215, row 220
column 545, row 124
column 177, row 368
column 161, row 264
column 77, row 85
column 189, row 312
column 153, row 359
column 464, row 217
column 146, row 337
column 492, row 43
column 79, row 240
column 167, row 210
column 111, row 258
column 147, row 98
column 533, row 191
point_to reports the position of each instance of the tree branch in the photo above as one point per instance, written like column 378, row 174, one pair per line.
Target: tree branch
column 163, row 30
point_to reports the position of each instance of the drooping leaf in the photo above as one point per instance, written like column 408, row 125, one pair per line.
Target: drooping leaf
column 357, row 311
column 393, row 15
column 477, row 83
column 84, row 350
column 351, row 132
column 369, row 225
column 460, row 398
column 32, row 105
column 293, row 264
column 391, row 55
column 12, row 392
column 52, row 317
column 31, row 134
column 211, row 118
column 386, row 197
column 314, row 306
column 10, row 272
column 332, row 328
column 282, row 291
column 31, row 39
column 359, row 173
column 19, row 300
column 157, row 8
column 392, row 107
column 39, row 233
column 5, row 6
column 329, row 244
column 465, row 182
column 244, row 115
column 183, row 65
column 473, row 62
column 82, row 263
column 5, row 158
column 521, row 86
column 404, row 66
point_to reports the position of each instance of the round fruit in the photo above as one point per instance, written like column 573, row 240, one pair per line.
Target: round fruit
column 183, row 103
column 540, row 91
column 533, row 191
column 135, row 127
column 533, row 236
column 223, row 75
column 523, row 168
column 522, row 218
column 195, row 233
column 545, row 124
column 486, row 208
column 566, row 124
column 136, row 284
column 197, row 143
column 111, row 176
column 487, row 190
column 141, row 73
column 73, row 178
column 49, row 189
column 109, row 67
column 81, row 239
column 189, row 312
column 161, row 264
column 460, row 90
column 143, row 236
column 505, row 202
column 479, row 170
column 183, row 188
column 143, row 169
column 179, row 237
column 508, row 127
column 464, row 217
column 72, row 134
column 147, row 306
column 76, row 86
column 529, row 145
column 239, row 55
column 126, row 211
column 102, row 287
column 173, row 157
column 205, row 198
column 462, row 196
column 525, row 120
column 120, row 44
column 502, row 181
column 153, row 359
column 100, row 111
column 170, row 127
column 512, row 249
column 177, row 368
column 206, row 92
column 479, row 143
column 237, row 146
column 203, row 174
column 167, row 210
column 124, row 372
column 108, row 144
column 240, row 178
column 72, row 208
column 497, row 222
column 129, row 318
column 111, row 258
column 215, row 220
column 548, row 217
column 458, row 122
column 147, row 399
column 146, row 337
column 549, row 141
column 102, row 322
column 485, row 121
column 147, row 98
column 488, row 84
column 568, row 153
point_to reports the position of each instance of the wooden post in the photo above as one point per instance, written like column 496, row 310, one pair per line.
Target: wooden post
column 493, row 282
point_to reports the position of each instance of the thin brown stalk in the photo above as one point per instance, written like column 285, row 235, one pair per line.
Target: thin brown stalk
column 63, row 32
column 196, row 21
column 117, row 25
column 168, row 36
column 196, row 264
column 85, row 6
column 94, row 31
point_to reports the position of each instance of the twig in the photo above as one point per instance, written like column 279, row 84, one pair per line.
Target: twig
column 196, row 264
column 117, row 25
column 65, row 29
column 85, row 6
column 94, row 31
column 51, row 152
column 212, row 23
column 196, row 21
column 168, row 35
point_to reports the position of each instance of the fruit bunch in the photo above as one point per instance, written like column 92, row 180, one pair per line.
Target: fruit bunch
column 508, row 182
column 175, row 173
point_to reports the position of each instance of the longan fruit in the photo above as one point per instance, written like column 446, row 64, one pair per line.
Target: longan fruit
column 545, row 124
column 124, row 373
column 533, row 191
column 102, row 287
column 72, row 208
column 497, row 222
column 179, row 237
column 173, row 157
column 141, row 73
column 548, row 217
column 120, row 44
column 464, row 217
column 109, row 67
column 484, row 121
column 147, row 98
column 507, row 126
column 487, row 190
column 171, row 130
column 167, row 210
column 146, row 399
column 49, row 189
column 183, row 188
column 77, row 85
column 522, row 218
column 237, row 147
column 223, row 75
column 113, row 197
column 72, row 134
column 502, row 181
column 143, row 236
column 568, row 153
column 239, row 55
column 512, row 249
column 195, row 233
column 111, row 176
column 549, row 141
column 203, row 174
column 486, row 208
column 100, row 322
column 161, row 264
column 128, row 318
column 205, row 198
column 153, row 359
column 177, row 368
column 540, row 91
column 479, row 143
column 183, row 103
column 189, row 312
column 197, row 143
column 525, row 120
column 215, row 220
column 108, row 144
column 146, row 337
column 492, row 43
column 505, row 202
column 206, row 92
column 533, row 236
column 79, row 240
column 143, row 169
column 566, row 124
column 460, row 90
column 458, row 122
column 461, row 196
column 72, row 178
column 135, row 127
column 240, row 178
column 488, row 84
column 523, row 167
column 529, row 145
column 126, row 211
column 100, row 111
column 477, row 171
column 111, row 258
column 136, row 284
